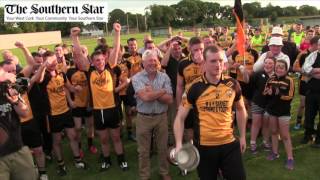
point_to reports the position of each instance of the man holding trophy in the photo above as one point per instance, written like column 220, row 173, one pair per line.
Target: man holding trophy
column 212, row 96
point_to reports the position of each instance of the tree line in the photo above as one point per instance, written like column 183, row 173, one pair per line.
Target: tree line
column 184, row 13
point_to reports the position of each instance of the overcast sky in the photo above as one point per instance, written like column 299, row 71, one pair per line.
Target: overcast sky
column 138, row 6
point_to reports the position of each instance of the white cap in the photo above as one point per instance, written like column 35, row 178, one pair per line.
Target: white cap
column 277, row 30
column 275, row 41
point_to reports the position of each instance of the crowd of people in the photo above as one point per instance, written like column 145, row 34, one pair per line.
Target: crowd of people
column 198, row 89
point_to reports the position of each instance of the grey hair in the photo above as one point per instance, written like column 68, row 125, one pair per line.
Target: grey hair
column 148, row 53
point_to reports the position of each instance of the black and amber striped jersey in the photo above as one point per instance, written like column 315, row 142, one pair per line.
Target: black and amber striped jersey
column 279, row 103
column 55, row 92
column 101, row 87
column 300, row 61
column 213, row 107
column 79, row 78
column 258, row 82
column 125, row 67
column 135, row 62
column 29, row 116
column 248, row 60
column 225, row 41
column 189, row 71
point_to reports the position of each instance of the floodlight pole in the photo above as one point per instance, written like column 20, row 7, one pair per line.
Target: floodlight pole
column 137, row 23
column 128, row 23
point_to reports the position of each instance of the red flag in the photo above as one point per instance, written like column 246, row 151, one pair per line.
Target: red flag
column 238, row 13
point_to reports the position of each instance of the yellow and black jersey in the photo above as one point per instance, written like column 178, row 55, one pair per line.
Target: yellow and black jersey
column 77, row 77
column 125, row 67
column 29, row 116
column 300, row 61
column 55, row 92
column 60, row 67
column 189, row 71
column 101, row 87
column 116, row 75
column 279, row 103
column 135, row 63
column 213, row 107
column 225, row 41
column 248, row 60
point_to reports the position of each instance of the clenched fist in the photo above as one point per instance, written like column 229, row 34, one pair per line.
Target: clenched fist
column 117, row 27
column 19, row 44
column 75, row 31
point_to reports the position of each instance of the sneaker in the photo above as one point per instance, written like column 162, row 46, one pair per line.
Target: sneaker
column 81, row 164
column 105, row 166
column 266, row 147
column 290, row 164
column 93, row 149
column 43, row 177
column 62, row 170
column 253, row 149
column 124, row 166
column 306, row 139
column 297, row 126
column 273, row 156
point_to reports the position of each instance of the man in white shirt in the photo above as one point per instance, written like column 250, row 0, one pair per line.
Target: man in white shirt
column 275, row 45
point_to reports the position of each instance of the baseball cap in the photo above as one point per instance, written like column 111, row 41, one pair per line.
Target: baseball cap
column 277, row 30
column 275, row 41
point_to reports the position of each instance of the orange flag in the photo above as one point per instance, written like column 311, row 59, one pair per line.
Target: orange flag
column 238, row 13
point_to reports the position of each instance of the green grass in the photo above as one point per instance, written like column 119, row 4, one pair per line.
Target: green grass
column 307, row 159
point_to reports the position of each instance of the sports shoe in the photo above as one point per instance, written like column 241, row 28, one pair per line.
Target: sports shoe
column 266, row 147
column 253, row 149
column 93, row 149
column 105, row 166
column 81, row 164
column 43, row 177
column 62, row 170
column 297, row 126
column 290, row 164
column 273, row 156
column 124, row 166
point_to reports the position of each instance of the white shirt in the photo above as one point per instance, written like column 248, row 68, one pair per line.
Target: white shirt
column 307, row 66
column 258, row 66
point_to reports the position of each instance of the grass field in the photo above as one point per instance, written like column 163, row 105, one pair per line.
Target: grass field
column 307, row 166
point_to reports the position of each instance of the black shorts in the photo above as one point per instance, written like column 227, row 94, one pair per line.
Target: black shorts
column 190, row 119
column 106, row 118
column 225, row 157
column 81, row 112
column 59, row 122
column 31, row 135
column 124, row 99
column 246, row 90
column 303, row 88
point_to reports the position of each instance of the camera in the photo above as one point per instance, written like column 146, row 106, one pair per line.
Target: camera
column 21, row 86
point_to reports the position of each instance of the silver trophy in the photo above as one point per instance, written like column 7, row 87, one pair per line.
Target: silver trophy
column 187, row 158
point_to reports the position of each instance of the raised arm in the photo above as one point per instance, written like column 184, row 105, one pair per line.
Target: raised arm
column 26, row 52
column 113, row 58
column 77, row 51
